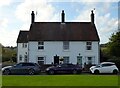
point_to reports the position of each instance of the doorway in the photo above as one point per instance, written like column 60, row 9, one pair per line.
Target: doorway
column 56, row 59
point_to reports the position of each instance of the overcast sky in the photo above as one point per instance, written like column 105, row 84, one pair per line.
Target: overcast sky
column 15, row 15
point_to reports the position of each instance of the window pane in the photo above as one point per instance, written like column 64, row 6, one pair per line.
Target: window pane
column 66, row 60
column 89, row 48
column 88, row 43
column 89, row 60
column 25, row 45
column 40, row 47
column 20, row 57
column 40, row 58
column 41, row 43
column 65, row 45
column 40, row 62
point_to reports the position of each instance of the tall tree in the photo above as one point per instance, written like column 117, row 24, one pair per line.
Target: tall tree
column 114, row 45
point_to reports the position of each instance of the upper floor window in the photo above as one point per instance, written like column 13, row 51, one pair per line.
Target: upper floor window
column 88, row 45
column 40, row 45
column 24, row 45
column 65, row 45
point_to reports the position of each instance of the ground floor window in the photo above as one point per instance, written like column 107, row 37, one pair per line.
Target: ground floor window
column 20, row 57
column 89, row 60
column 25, row 57
column 65, row 59
column 41, row 60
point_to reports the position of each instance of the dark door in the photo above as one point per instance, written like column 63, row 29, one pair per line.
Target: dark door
column 56, row 59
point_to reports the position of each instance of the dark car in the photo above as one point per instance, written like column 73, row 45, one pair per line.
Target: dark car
column 64, row 68
column 22, row 68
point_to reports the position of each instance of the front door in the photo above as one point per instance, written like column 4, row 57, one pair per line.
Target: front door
column 56, row 59
column 79, row 60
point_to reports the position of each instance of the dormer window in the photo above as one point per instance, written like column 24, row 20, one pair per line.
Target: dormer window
column 41, row 45
column 88, row 45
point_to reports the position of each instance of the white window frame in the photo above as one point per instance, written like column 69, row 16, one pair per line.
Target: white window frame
column 40, row 44
column 88, row 45
column 89, row 60
column 24, row 45
column 25, row 58
column 66, row 59
column 93, row 59
column 20, row 57
column 41, row 59
column 66, row 45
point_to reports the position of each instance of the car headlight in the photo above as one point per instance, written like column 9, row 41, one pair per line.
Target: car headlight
column 47, row 69
column 92, row 68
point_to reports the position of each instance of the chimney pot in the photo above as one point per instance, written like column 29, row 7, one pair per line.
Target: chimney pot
column 32, row 17
column 92, row 17
column 63, row 16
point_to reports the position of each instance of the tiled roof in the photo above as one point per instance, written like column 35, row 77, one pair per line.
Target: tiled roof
column 22, row 37
column 57, row 31
column 68, row 31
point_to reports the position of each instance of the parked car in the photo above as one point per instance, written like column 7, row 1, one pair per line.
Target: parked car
column 104, row 67
column 64, row 68
column 22, row 68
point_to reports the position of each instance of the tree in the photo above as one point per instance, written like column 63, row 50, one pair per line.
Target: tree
column 114, row 45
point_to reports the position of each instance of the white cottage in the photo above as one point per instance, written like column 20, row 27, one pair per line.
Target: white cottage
column 59, row 42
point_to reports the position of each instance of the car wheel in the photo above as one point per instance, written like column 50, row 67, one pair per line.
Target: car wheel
column 6, row 72
column 115, row 71
column 74, row 72
column 51, row 72
column 31, row 72
column 96, row 72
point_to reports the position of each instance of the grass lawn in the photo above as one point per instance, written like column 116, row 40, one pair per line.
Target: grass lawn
column 60, row 80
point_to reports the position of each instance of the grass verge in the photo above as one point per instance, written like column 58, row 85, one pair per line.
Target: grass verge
column 60, row 80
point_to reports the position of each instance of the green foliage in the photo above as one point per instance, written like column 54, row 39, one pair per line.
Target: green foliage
column 111, row 50
column 114, row 45
column 8, row 53
column 104, row 53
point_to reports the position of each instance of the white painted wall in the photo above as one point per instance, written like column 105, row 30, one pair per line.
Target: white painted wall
column 56, row 48
column 21, row 51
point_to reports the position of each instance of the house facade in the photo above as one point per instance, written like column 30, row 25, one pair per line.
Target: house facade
column 59, row 42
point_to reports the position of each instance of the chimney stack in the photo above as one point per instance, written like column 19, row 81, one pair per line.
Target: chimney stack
column 63, row 16
column 92, row 17
column 32, row 17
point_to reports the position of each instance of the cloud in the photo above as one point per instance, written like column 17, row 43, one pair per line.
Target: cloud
column 7, row 36
column 3, row 22
column 5, row 2
column 106, row 25
column 45, row 11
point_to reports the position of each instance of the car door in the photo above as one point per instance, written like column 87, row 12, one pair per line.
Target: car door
column 104, row 68
column 25, row 68
column 16, row 68
column 66, row 68
column 61, row 68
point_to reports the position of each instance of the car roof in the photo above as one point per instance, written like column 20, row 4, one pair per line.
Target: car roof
column 107, row 63
column 25, row 62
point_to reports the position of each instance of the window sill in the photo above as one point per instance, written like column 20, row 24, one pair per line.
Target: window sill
column 41, row 50
column 66, row 50
column 89, row 50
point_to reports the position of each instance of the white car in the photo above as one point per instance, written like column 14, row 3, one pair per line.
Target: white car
column 104, row 67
